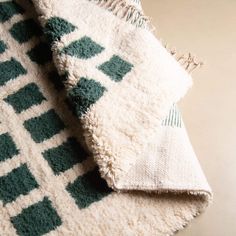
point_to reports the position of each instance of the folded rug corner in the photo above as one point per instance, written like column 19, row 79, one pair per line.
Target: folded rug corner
column 111, row 88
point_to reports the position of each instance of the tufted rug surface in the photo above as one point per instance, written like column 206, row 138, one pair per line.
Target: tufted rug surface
column 91, row 139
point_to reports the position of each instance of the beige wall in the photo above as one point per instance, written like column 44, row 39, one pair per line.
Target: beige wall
column 207, row 28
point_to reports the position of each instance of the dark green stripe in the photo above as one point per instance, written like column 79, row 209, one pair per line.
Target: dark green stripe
column 18, row 182
column 176, row 118
column 9, row 9
column 24, row 30
column 88, row 189
column 36, row 220
column 169, row 117
column 66, row 155
column 8, row 148
column 10, row 70
column 25, row 97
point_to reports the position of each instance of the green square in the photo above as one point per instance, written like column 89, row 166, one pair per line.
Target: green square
column 44, row 126
column 85, row 93
column 40, row 54
column 18, row 182
column 116, row 68
column 56, row 27
column 24, row 30
column 83, row 48
column 88, row 188
column 10, row 70
column 66, row 155
column 38, row 219
column 25, row 97
column 8, row 9
column 8, row 148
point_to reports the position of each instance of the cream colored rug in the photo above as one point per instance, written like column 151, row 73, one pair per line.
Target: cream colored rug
column 91, row 141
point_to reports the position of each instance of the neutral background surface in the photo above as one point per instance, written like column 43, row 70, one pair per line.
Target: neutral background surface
column 208, row 29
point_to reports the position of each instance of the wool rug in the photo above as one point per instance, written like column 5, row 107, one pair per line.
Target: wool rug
column 91, row 139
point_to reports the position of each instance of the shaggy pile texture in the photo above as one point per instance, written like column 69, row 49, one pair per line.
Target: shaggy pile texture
column 91, row 141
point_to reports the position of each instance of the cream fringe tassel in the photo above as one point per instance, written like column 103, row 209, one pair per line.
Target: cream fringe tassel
column 188, row 61
column 130, row 13
column 124, row 10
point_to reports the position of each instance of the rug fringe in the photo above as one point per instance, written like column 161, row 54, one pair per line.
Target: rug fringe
column 187, row 60
column 130, row 13
column 125, row 11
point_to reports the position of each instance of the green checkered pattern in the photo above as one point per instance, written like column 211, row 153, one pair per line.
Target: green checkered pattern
column 42, row 216
column 46, row 128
